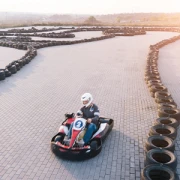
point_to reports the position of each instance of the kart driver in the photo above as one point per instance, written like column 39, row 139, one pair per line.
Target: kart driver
column 89, row 111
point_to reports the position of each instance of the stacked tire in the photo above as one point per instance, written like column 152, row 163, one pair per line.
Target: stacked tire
column 16, row 65
column 23, row 41
column 160, row 161
column 2, row 74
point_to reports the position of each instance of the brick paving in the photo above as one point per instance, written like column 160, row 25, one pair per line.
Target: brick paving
column 34, row 100
column 8, row 55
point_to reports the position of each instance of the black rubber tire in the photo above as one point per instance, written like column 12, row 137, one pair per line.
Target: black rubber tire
column 24, row 62
column 167, row 121
column 157, row 88
column 161, row 157
column 2, row 75
column 148, row 73
column 7, row 73
column 164, row 130
column 152, row 94
column 28, row 60
column 165, row 100
column 58, row 138
column 17, row 66
column 174, row 113
column 159, row 142
column 154, row 84
column 152, row 78
column 20, row 63
column 154, row 81
column 94, row 145
column 166, row 105
column 158, row 172
column 12, row 69
column 160, row 94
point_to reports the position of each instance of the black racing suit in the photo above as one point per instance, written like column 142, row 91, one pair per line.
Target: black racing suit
column 90, row 112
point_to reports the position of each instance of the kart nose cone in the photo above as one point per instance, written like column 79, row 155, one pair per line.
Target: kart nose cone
column 73, row 137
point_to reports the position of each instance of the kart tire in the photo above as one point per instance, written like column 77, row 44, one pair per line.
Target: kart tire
column 2, row 75
column 152, row 94
column 160, row 94
column 12, row 69
column 159, row 142
column 152, row 77
column 154, row 81
column 164, row 100
column 157, row 88
column 24, row 62
column 154, row 84
column 20, row 63
column 7, row 73
column 58, row 138
column 94, row 145
column 161, row 157
column 166, row 105
column 164, row 130
column 17, row 66
column 157, row 172
column 174, row 113
column 167, row 121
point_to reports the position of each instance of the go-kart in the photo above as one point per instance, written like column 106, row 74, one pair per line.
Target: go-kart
column 74, row 150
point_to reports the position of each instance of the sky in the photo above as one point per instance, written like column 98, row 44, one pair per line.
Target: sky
column 89, row 6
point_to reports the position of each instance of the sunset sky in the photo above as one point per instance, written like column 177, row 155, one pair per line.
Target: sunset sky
column 89, row 6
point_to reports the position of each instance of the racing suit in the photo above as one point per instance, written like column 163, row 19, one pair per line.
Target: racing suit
column 92, row 112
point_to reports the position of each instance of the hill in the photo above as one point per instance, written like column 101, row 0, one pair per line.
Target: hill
column 147, row 19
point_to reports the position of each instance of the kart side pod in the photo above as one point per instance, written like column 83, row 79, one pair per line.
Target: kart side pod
column 63, row 129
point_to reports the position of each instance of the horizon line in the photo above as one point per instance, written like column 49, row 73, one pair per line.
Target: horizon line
column 90, row 13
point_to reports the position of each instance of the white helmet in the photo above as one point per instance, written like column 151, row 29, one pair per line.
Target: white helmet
column 87, row 98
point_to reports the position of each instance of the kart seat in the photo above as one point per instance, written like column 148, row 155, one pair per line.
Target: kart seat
column 101, row 120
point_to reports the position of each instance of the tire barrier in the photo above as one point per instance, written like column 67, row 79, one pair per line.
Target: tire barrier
column 159, row 142
column 31, row 30
column 158, row 172
column 45, row 35
column 24, row 42
column 160, row 94
column 161, row 157
column 155, row 88
column 125, row 31
column 159, row 147
column 167, row 121
column 166, row 105
column 164, row 130
column 165, row 100
column 16, row 65
column 2, row 74
column 154, row 82
column 166, row 112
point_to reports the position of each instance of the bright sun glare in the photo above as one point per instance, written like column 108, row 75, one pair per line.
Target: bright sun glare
column 90, row 7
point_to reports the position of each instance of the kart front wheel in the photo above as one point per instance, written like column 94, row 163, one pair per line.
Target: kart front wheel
column 94, row 145
column 58, row 138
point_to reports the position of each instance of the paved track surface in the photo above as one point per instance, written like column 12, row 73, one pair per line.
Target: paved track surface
column 7, row 55
column 34, row 100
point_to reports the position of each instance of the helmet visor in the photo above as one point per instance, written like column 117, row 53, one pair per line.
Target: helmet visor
column 85, row 102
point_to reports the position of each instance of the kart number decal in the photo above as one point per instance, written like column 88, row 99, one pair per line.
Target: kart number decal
column 78, row 124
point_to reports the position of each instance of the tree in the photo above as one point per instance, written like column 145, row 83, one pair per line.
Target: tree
column 92, row 20
column 118, row 19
